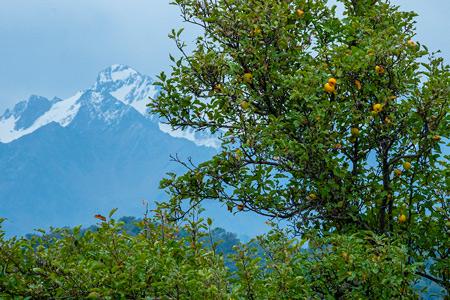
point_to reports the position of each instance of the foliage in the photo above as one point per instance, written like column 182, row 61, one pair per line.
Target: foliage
column 334, row 124
column 224, row 240
column 158, row 263
column 336, row 267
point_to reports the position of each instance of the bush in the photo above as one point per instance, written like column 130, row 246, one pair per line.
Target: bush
column 161, row 263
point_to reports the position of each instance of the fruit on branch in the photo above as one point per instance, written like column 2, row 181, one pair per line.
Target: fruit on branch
column 248, row 77
column 245, row 105
column 355, row 131
column 300, row 13
column 436, row 138
column 407, row 165
column 379, row 70
column 377, row 108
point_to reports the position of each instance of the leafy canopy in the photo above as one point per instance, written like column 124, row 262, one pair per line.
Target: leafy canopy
column 333, row 123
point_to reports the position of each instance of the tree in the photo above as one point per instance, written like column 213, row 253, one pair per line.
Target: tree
column 335, row 124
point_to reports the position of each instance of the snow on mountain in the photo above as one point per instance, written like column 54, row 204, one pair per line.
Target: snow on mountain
column 61, row 112
column 64, row 160
column 7, row 132
column 120, row 82
column 190, row 135
column 126, row 85
column 103, row 107
column 23, row 115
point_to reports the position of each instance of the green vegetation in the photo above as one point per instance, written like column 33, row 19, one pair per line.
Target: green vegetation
column 332, row 125
column 161, row 263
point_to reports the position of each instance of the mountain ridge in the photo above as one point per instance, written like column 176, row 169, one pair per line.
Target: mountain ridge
column 64, row 160
column 120, row 81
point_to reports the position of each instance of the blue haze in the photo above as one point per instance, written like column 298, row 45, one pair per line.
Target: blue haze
column 109, row 155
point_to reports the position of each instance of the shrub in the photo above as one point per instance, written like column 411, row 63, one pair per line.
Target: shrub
column 159, row 263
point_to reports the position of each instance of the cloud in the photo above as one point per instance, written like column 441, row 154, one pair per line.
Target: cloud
column 189, row 134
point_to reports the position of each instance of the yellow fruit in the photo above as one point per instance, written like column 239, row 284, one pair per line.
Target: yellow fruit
column 248, row 77
column 358, row 84
column 436, row 138
column 378, row 107
column 329, row 88
column 397, row 172
column 355, row 131
column 411, row 43
column 332, row 81
column 402, row 218
column 387, row 120
column 240, row 207
column 338, row 146
column 312, row 196
column 218, row 88
column 299, row 13
column 407, row 165
column 257, row 31
column 379, row 70
column 245, row 105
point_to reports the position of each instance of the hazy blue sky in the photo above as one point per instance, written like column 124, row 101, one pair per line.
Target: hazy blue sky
column 55, row 47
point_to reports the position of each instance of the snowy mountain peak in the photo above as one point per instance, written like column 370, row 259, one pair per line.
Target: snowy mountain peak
column 118, row 88
column 34, row 102
column 118, row 92
column 101, row 109
column 127, row 85
column 30, row 115
column 117, row 73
